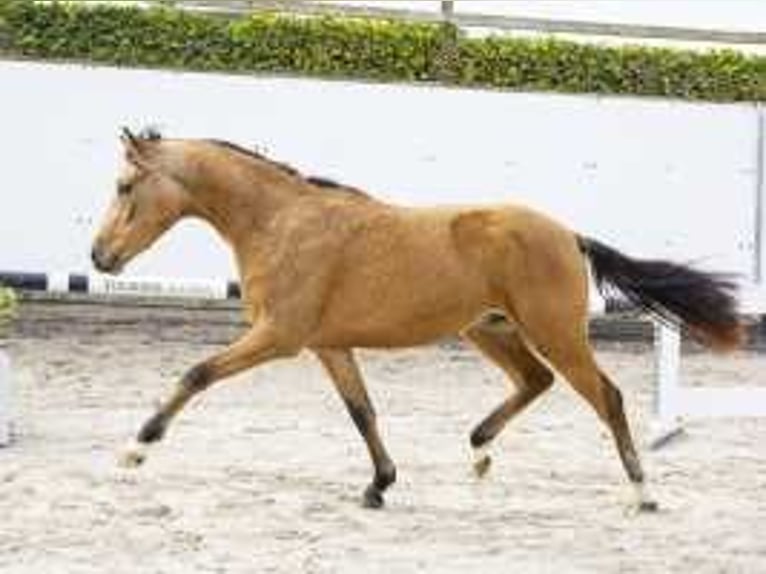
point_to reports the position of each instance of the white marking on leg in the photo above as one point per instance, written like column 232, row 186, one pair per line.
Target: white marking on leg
column 481, row 452
column 134, row 454
column 642, row 501
column 639, row 493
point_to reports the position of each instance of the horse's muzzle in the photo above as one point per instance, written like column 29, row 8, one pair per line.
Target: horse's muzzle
column 104, row 261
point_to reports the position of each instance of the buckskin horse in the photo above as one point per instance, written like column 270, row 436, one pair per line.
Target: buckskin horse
column 327, row 267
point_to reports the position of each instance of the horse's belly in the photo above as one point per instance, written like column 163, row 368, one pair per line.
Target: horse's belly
column 393, row 316
column 389, row 335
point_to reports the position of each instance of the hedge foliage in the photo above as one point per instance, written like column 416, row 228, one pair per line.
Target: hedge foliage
column 368, row 49
column 8, row 304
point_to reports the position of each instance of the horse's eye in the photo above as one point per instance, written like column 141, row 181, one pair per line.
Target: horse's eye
column 123, row 188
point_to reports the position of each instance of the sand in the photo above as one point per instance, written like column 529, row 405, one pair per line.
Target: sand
column 265, row 472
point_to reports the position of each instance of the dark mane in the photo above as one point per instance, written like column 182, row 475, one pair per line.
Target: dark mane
column 327, row 183
column 252, row 153
column 150, row 133
column 318, row 181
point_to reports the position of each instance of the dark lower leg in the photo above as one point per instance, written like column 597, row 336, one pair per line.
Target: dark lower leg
column 385, row 471
column 345, row 374
column 573, row 357
column 194, row 381
column 153, row 430
column 502, row 344
column 254, row 347
column 491, row 426
column 618, row 423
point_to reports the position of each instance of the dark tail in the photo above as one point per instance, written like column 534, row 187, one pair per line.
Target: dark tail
column 673, row 293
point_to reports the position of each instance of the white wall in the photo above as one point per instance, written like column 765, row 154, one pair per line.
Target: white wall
column 651, row 176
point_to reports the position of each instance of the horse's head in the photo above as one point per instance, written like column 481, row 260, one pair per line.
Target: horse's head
column 148, row 201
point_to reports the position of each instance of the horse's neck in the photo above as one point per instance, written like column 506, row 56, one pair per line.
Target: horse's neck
column 239, row 200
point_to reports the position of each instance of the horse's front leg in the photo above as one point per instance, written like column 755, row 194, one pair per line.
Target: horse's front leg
column 258, row 345
column 345, row 374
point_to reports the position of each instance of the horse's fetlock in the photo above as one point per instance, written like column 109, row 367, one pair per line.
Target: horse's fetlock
column 385, row 477
column 153, row 430
column 480, row 436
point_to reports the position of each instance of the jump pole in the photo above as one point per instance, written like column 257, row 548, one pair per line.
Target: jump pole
column 122, row 286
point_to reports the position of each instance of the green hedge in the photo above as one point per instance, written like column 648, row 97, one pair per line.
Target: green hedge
column 8, row 305
column 368, row 49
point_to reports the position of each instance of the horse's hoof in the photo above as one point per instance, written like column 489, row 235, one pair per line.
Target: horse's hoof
column 373, row 498
column 482, row 465
column 133, row 457
column 642, row 501
column 642, row 507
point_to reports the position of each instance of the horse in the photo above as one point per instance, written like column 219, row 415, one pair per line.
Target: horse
column 327, row 268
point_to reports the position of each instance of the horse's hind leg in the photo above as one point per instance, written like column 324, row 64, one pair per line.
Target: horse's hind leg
column 569, row 352
column 501, row 343
column 345, row 375
column 612, row 397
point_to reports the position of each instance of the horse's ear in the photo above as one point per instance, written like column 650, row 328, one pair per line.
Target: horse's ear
column 127, row 136
column 132, row 146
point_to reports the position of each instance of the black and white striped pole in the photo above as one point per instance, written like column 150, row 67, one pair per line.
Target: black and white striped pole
column 127, row 286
